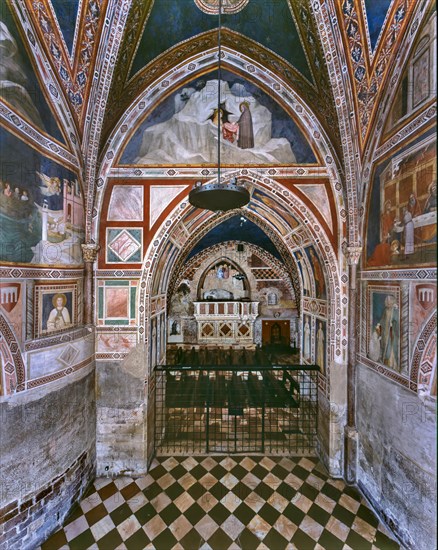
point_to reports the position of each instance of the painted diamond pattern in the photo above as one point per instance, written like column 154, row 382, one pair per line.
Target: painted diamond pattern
column 225, row 330
column 9, row 368
column 68, row 355
column 124, row 245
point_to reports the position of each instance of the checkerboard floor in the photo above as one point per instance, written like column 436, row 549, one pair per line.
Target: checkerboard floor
column 224, row 503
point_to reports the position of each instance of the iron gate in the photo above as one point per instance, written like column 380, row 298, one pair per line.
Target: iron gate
column 251, row 409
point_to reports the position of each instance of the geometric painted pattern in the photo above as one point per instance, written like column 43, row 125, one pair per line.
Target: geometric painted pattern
column 264, row 274
column 68, row 355
column 223, row 502
column 124, row 244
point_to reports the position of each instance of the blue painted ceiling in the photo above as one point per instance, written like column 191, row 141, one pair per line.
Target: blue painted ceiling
column 376, row 11
column 66, row 12
column 234, row 229
column 268, row 22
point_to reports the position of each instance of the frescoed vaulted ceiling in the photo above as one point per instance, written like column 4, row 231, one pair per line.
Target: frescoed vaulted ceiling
column 337, row 57
column 281, row 32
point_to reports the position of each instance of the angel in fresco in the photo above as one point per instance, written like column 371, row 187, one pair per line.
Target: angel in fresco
column 52, row 186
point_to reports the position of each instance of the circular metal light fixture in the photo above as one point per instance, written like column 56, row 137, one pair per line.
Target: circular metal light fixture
column 217, row 196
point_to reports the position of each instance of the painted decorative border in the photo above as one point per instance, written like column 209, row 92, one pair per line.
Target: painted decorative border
column 58, row 374
column 108, row 242
column 131, row 291
column 397, row 274
column 55, row 95
column 392, row 375
column 119, row 273
column 420, row 122
column 421, row 346
column 315, row 307
column 14, row 349
column 63, row 338
column 116, row 356
column 48, row 145
column 15, row 272
column 135, row 172
column 410, row 380
column 387, row 290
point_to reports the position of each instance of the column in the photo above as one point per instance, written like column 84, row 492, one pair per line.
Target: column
column 350, row 432
column 44, row 223
column 89, row 253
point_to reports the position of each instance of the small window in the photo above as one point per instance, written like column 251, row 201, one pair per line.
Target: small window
column 272, row 299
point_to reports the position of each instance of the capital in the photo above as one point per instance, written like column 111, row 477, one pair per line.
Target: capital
column 89, row 252
column 353, row 254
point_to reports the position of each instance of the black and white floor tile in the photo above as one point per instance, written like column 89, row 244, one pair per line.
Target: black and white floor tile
column 224, row 503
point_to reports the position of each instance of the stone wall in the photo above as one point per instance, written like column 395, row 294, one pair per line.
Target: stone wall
column 47, row 457
column 397, row 456
column 121, row 415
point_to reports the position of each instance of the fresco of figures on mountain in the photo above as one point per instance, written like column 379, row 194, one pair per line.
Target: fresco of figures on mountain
column 254, row 129
column 402, row 213
column 41, row 207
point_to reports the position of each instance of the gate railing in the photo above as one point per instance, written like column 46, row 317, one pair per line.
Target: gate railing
column 248, row 409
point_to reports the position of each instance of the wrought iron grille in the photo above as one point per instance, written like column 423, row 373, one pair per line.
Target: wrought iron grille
column 247, row 409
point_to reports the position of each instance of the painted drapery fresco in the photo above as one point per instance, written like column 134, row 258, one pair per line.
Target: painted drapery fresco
column 184, row 130
column 318, row 274
column 402, row 223
column 19, row 86
column 41, row 207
